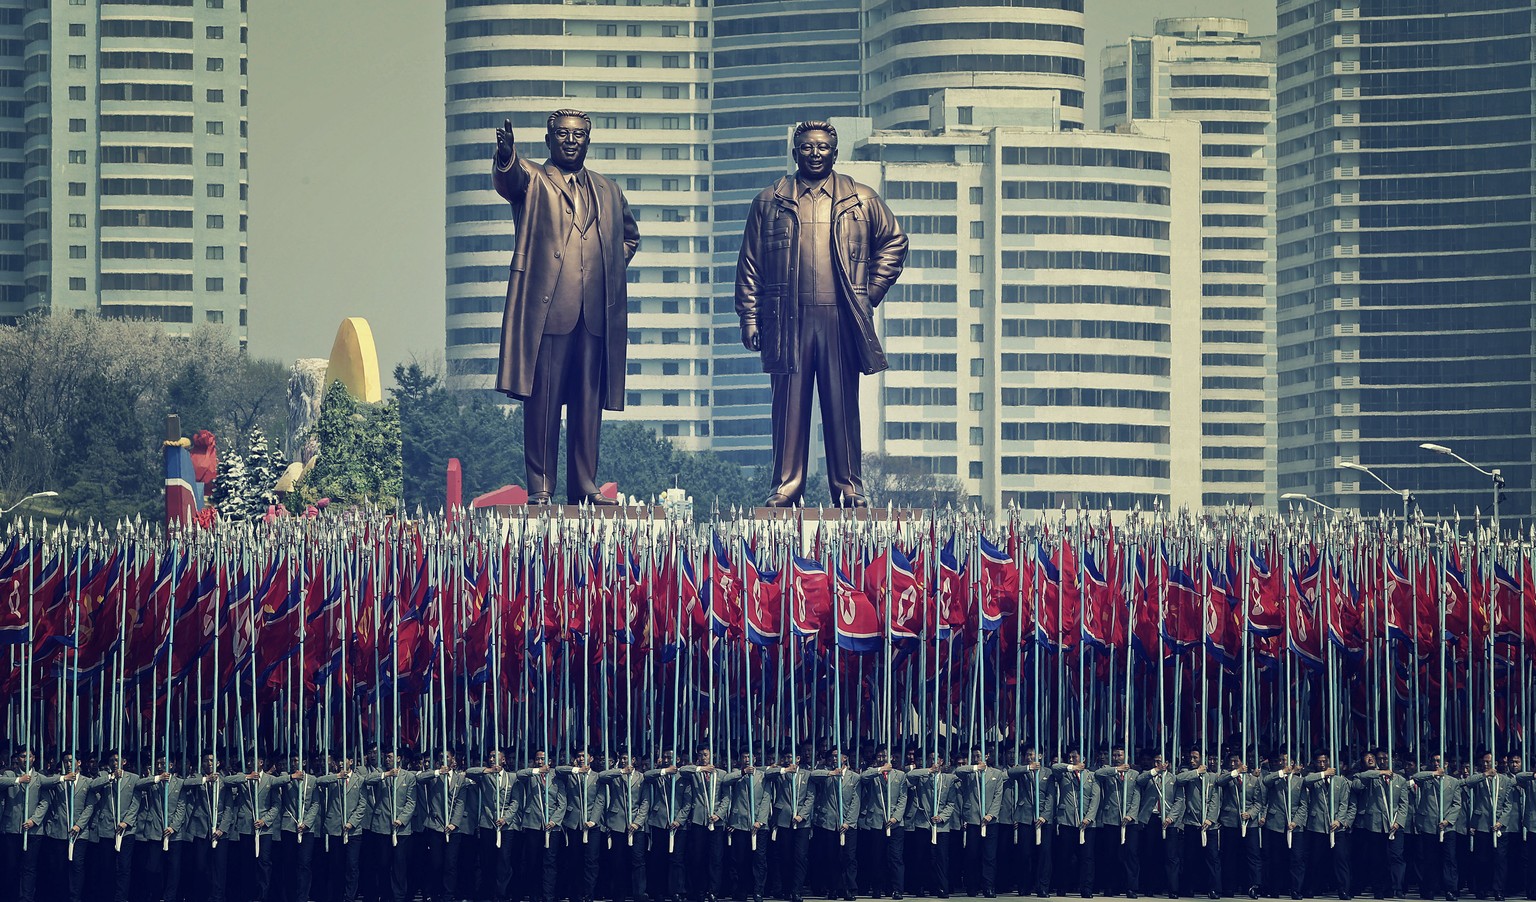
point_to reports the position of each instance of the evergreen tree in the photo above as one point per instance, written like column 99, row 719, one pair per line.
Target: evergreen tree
column 265, row 464
column 233, row 489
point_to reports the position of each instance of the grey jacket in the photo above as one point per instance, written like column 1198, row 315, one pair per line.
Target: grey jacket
column 543, row 798
column 747, row 800
column 1382, row 802
column 981, row 792
column 1286, row 802
column 939, row 795
column 837, row 799
column 885, row 798
column 1240, row 794
column 394, row 799
column 1492, row 802
column 117, row 801
column 72, row 805
column 1334, row 795
column 447, row 801
column 671, row 798
column 500, row 797
column 1438, row 799
column 347, row 801
column 625, row 800
column 1119, row 796
column 1077, row 796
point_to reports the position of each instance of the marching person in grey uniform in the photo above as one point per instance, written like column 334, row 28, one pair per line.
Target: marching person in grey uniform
column 747, row 813
column 65, row 829
column 1285, row 817
column 162, row 813
column 705, row 825
column 670, row 811
column 1242, row 801
column 981, row 798
column 582, row 822
column 542, row 809
column 1488, row 818
column 264, row 798
column 937, row 793
column 347, row 812
column 1117, row 831
column 500, row 797
column 883, row 823
column 836, row 819
column 1034, row 811
column 24, row 813
column 1436, row 812
column 625, row 814
column 300, row 813
column 394, row 812
column 794, row 799
column 1162, row 802
column 1525, row 788
column 1202, row 814
column 205, row 798
column 115, row 815
column 1382, row 803
column 1330, row 812
column 444, row 827
column 1077, row 809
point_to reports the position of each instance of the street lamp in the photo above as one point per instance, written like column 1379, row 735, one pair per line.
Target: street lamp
column 1495, row 474
column 1298, row 496
column 26, row 499
column 1406, row 495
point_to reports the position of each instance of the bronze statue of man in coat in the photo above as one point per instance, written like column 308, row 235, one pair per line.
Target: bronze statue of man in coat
column 819, row 253
column 565, row 332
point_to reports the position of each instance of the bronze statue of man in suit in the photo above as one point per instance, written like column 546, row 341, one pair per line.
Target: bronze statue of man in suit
column 819, row 253
column 566, row 328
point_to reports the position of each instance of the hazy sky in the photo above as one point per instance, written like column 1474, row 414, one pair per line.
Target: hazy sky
column 346, row 165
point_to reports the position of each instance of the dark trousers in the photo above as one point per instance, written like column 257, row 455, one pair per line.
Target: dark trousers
column 1076, row 860
column 345, row 868
column 159, row 871
column 1384, row 863
column 1240, row 862
column 624, row 866
column 1317, row 853
column 1490, row 863
column 568, row 373
column 209, row 868
column 442, row 854
column 980, row 860
column 374, row 877
column 23, row 863
column 751, row 865
column 401, row 850
column 828, row 368
column 1207, row 876
column 1042, row 858
column 795, row 847
column 939, row 861
column 541, row 857
column 1172, row 846
column 1128, row 852
column 583, row 860
column 677, row 861
column 110, row 872
column 839, row 853
column 885, row 859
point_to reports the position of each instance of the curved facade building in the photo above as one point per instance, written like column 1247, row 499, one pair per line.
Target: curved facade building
column 913, row 48
column 1041, row 340
column 1211, row 71
column 642, row 73
column 1407, row 284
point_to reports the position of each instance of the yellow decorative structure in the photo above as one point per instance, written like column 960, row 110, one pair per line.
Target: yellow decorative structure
column 355, row 361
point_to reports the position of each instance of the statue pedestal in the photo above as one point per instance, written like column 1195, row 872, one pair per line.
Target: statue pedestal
column 581, row 511
column 840, row 514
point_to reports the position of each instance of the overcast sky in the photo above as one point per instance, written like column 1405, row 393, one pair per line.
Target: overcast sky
column 346, row 164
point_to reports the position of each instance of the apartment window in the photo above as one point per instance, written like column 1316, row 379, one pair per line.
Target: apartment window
column 701, row 29
column 633, row 92
column 669, row 153
column 608, row 91
column 213, row 252
column 77, row 283
column 631, row 153
column 77, row 125
column 606, row 121
column 214, row 127
column 215, row 189
column 77, row 189
column 77, row 220
column 978, row 263
column 213, row 284
column 215, row 95
column 77, row 252
column 701, row 61
column 215, row 221
column 978, row 366
column 77, row 30
column 632, row 31
column 976, row 435
column 607, row 30
column 76, row 92
column 215, row 32
column 671, row 61
column 215, row 316
column 976, row 197
column 974, row 468
column 632, row 122
column 215, row 159
column 670, row 92
column 978, row 298
column 976, row 333
column 631, row 184
column 701, row 183
column 978, row 229
column 77, row 61
column 219, row 4
column 701, row 91
column 978, row 153
column 978, row 400
column 965, row 114
column 215, row 64
column 608, row 60
column 669, row 185
column 669, row 31
column 632, row 60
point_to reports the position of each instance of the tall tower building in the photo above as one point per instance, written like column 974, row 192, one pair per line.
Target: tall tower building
column 134, row 169
column 913, row 48
column 1043, row 338
column 641, row 72
column 1211, row 71
column 776, row 63
column 1406, row 287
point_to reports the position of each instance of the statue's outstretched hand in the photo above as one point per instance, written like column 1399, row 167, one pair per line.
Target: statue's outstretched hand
column 750, row 339
column 504, row 141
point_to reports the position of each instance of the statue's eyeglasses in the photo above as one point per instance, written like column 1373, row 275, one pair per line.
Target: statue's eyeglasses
column 577, row 133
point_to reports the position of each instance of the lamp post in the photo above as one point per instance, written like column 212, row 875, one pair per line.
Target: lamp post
column 1406, row 495
column 26, row 499
column 1298, row 496
column 1495, row 474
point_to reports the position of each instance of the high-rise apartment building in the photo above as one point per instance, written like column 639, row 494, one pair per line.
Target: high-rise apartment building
column 642, row 73
column 1406, row 287
column 131, row 162
column 1211, row 71
column 1044, row 337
